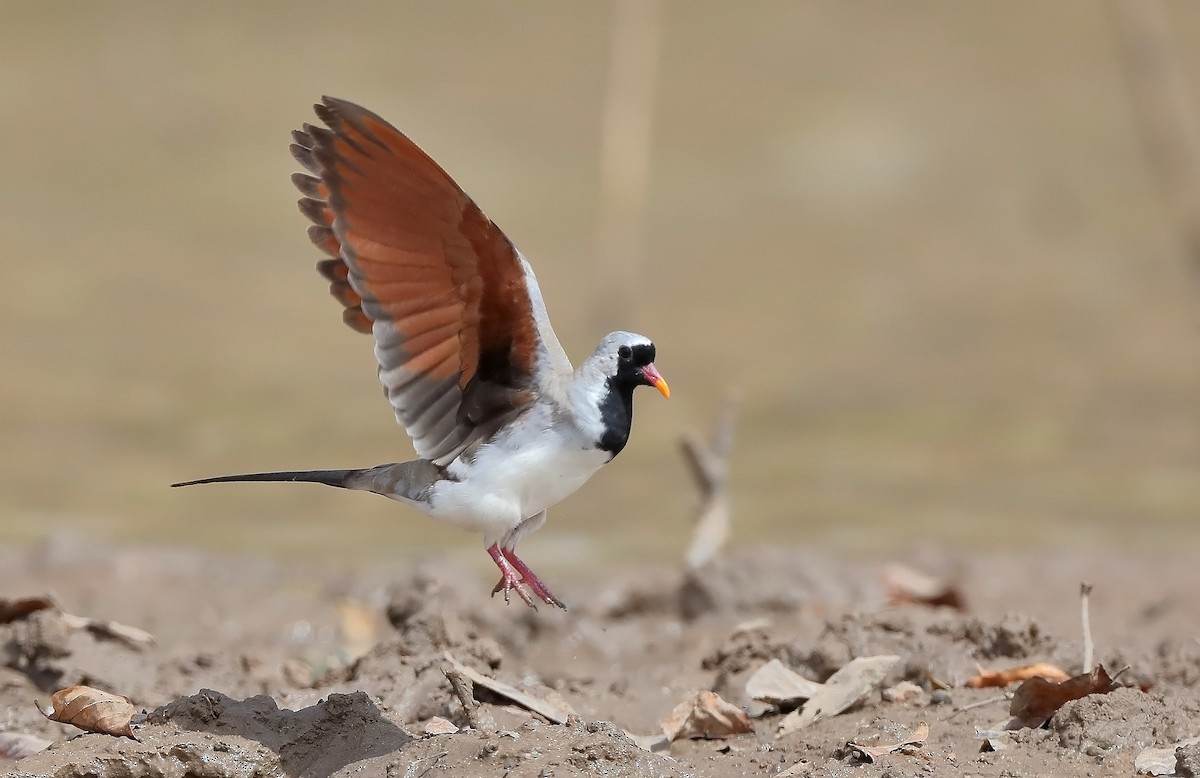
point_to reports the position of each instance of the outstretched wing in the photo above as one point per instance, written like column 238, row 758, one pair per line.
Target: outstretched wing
column 461, row 333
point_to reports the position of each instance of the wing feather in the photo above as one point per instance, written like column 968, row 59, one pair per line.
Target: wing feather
column 455, row 311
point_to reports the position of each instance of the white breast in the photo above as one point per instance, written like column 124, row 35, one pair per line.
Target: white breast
column 541, row 461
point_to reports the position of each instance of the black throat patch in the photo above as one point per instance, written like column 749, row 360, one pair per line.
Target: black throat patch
column 616, row 414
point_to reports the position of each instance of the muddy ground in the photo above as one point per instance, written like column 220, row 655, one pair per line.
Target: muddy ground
column 265, row 668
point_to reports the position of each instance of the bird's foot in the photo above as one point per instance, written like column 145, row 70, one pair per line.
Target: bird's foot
column 531, row 580
column 510, row 580
column 515, row 575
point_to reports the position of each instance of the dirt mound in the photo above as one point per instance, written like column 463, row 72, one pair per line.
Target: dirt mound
column 209, row 734
column 350, row 676
column 1126, row 718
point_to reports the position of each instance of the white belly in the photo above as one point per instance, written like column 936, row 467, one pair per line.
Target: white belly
column 515, row 478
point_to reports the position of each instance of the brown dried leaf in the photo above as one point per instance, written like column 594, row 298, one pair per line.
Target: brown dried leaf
column 847, row 687
column 14, row 610
column 18, row 745
column 904, row 585
column 705, row 715
column 1037, row 699
column 915, row 740
column 1002, row 678
column 93, row 710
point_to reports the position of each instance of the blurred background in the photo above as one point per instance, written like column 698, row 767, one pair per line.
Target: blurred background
column 925, row 241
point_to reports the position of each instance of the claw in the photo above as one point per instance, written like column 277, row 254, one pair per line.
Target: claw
column 509, row 580
column 510, row 584
column 515, row 575
column 530, row 579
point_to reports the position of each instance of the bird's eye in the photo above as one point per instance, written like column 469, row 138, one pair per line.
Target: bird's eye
column 624, row 352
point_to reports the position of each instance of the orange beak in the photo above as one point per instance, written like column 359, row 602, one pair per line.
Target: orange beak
column 656, row 380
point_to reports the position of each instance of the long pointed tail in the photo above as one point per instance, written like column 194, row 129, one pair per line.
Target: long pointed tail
column 337, row 478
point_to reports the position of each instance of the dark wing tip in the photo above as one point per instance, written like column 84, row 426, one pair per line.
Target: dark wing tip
column 336, row 105
column 338, row 114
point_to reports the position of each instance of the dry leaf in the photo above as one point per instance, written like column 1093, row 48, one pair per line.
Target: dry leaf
column 845, row 688
column 92, row 710
column 871, row 753
column 440, row 726
column 18, row 745
column 1002, row 678
column 705, row 715
column 14, row 610
column 1037, row 699
column 1161, row 761
column 775, row 684
column 1155, row 761
column 904, row 585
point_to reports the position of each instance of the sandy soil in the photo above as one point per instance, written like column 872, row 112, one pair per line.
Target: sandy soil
column 266, row 669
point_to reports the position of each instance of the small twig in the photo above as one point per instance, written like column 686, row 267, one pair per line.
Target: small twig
column 705, row 468
column 464, row 689
column 937, row 683
column 980, row 704
column 709, row 465
column 549, row 711
column 133, row 637
column 1119, row 673
column 13, row 610
column 1085, row 589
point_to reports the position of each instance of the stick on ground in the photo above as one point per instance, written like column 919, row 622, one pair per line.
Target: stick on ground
column 469, row 679
column 980, row 704
column 1085, row 590
column 464, row 689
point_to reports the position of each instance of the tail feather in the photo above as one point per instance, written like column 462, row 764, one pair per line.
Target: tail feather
column 328, row 477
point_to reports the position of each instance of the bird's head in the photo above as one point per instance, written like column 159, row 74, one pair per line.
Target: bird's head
column 628, row 360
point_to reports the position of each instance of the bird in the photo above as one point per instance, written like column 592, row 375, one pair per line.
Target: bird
column 503, row 426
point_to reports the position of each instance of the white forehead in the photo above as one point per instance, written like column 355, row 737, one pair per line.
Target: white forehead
column 615, row 340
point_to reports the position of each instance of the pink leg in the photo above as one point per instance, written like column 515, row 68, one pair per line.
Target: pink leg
column 508, row 576
column 510, row 567
column 529, row 577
